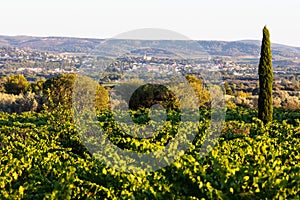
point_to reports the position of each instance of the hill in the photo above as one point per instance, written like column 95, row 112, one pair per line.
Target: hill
column 243, row 48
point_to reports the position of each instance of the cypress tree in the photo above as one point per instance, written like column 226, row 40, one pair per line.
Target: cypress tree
column 265, row 72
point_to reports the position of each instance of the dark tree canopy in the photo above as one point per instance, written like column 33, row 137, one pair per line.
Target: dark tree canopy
column 151, row 94
column 16, row 84
column 265, row 72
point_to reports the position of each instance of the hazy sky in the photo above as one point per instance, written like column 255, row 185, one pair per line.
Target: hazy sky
column 197, row 19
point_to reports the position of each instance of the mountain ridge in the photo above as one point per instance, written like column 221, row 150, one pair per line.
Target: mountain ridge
column 83, row 45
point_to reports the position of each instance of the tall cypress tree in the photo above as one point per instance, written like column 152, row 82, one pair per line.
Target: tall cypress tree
column 265, row 72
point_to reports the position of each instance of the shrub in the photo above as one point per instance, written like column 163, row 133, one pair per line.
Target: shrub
column 18, row 103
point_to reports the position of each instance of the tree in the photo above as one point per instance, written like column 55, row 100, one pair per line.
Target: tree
column 227, row 88
column 150, row 94
column 37, row 87
column 16, row 84
column 200, row 91
column 59, row 90
column 265, row 72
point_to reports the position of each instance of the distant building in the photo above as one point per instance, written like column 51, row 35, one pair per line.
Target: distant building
column 148, row 58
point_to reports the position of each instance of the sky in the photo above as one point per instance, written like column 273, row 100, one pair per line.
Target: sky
column 227, row 20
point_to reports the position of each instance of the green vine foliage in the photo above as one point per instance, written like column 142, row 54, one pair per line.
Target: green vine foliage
column 42, row 157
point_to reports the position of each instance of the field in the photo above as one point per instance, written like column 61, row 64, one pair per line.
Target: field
column 42, row 157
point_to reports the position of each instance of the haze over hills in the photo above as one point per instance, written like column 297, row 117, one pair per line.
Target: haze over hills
column 243, row 48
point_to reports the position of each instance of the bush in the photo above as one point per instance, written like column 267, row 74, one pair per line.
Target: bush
column 18, row 103
column 16, row 84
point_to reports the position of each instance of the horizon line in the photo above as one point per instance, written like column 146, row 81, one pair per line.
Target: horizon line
column 98, row 38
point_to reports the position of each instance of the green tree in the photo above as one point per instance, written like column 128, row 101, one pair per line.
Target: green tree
column 265, row 72
column 16, row 84
column 150, row 94
column 200, row 91
column 37, row 87
column 227, row 89
column 59, row 90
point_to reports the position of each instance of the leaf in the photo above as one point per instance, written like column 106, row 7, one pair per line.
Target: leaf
column 214, row 153
column 21, row 190
column 15, row 175
column 246, row 178
column 104, row 171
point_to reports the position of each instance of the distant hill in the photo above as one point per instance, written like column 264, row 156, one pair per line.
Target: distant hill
column 242, row 48
column 247, row 48
column 53, row 44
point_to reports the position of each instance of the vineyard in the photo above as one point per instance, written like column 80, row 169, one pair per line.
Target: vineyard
column 42, row 157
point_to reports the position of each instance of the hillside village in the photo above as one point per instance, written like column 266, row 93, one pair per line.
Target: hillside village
column 241, row 77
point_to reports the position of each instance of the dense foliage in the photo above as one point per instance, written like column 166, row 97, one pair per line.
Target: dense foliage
column 265, row 72
column 43, row 157
column 59, row 89
column 16, row 84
